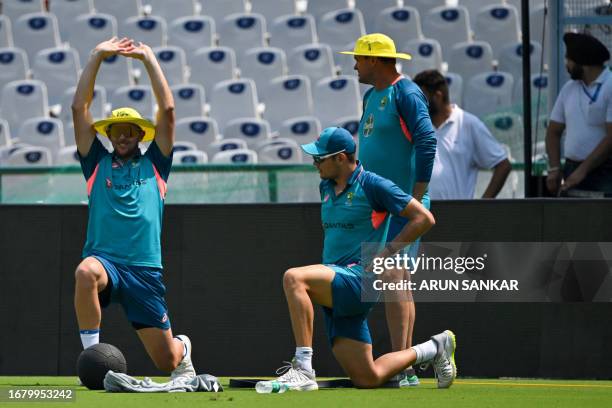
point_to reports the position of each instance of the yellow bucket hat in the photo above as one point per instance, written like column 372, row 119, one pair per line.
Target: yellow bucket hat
column 376, row 45
column 126, row 115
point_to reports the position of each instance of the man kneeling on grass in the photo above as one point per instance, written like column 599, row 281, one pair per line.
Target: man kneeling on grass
column 356, row 206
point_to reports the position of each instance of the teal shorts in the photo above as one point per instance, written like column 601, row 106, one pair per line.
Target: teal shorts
column 349, row 315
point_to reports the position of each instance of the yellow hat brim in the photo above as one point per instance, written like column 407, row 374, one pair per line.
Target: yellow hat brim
column 148, row 127
column 381, row 55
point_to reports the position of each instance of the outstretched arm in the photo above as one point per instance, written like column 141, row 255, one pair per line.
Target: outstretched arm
column 83, row 130
column 164, row 127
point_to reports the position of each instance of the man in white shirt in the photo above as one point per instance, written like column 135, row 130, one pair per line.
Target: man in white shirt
column 465, row 145
column 584, row 111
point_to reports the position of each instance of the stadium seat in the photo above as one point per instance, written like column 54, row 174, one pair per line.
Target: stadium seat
column 236, row 156
column 184, row 146
column 36, row 31
column 43, row 131
column 97, row 108
column 280, row 152
column 67, row 11
column 172, row 10
column 241, row 32
column 470, row 58
column 6, row 32
column 317, row 8
column 253, row 131
column 22, row 100
column 88, row 30
column 238, row 187
column 139, row 97
column 214, row 64
column 370, row 10
column 13, row 65
column 455, row 87
column 488, row 92
column 424, row 6
column 341, row 27
column 121, row 9
column 540, row 28
column 151, row 30
column 350, row 123
column 192, row 33
column 115, row 72
column 426, row 54
column 507, row 128
column 14, row 9
column 287, row 97
column 200, row 130
column 336, row 97
column 263, row 63
column 30, row 156
column 316, row 61
column 533, row 4
column 402, row 24
column 302, row 130
column 344, row 63
column 498, row 25
column 58, row 68
column 448, row 24
column 219, row 9
column 224, row 145
column 539, row 93
column 511, row 59
column 189, row 158
column 5, row 134
column 272, row 9
column 291, row 31
column 233, row 99
column 188, row 100
column 67, row 156
column 173, row 62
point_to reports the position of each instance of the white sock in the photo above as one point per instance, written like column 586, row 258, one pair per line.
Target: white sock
column 303, row 357
column 184, row 346
column 425, row 351
column 90, row 337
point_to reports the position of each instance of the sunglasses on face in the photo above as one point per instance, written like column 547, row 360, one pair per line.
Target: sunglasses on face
column 320, row 159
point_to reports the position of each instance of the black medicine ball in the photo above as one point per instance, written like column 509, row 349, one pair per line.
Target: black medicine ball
column 95, row 361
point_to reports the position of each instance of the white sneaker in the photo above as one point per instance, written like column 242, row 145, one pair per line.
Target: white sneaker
column 296, row 378
column 185, row 367
column 444, row 361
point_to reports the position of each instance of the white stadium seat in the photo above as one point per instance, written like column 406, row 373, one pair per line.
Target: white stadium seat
column 67, row 11
column 189, row 157
column 511, row 59
column 214, row 64
column 88, row 30
column 242, row 31
column 184, row 146
column 97, row 107
column 233, row 99
column 272, row 9
column 316, row 61
column 237, row 156
column 58, row 68
column 488, row 92
column 317, row 8
column 43, row 131
column 291, row 31
column 287, row 97
column 219, row 9
column 402, row 24
column 13, row 65
column 191, row 33
column 22, row 100
column 121, row 9
column 30, row 156
column 507, row 128
column 498, row 25
column 455, row 87
column 14, row 9
column 67, row 155
column 470, row 58
column 253, row 131
column 6, row 32
column 139, row 97
column 200, row 130
column 263, row 63
column 341, row 27
column 426, row 54
column 539, row 93
column 173, row 62
column 302, row 130
column 36, row 31
column 5, row 134
column 280, row 152
column 449, row 25
column 336, row 97
column 424, row 6
column 188, row 100
column 172, row 10
column 224, row 145
column 151, row 30
column 115, row 72
column 370, row 10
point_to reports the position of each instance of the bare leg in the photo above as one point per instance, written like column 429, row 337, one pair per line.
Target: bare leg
column 165, row 350
column 304, row 286
column 399, row 311
column 356, row 359
column 90, row 279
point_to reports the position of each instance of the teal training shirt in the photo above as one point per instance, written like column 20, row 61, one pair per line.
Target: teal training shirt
column 396, row 137
column 358, row 214
column 126, row 202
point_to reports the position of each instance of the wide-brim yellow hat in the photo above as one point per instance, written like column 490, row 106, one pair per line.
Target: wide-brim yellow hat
column 376, row 45
column 126, row 115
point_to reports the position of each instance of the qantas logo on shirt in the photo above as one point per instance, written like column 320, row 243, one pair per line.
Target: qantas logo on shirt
column 343, row 225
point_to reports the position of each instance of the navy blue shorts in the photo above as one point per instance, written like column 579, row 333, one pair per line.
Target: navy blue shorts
column 349, row 315
column 139, row 290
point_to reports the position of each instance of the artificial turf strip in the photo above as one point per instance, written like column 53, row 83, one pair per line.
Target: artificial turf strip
column 464, row 393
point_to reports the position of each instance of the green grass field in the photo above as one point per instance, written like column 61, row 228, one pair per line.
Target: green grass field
column 464, row 393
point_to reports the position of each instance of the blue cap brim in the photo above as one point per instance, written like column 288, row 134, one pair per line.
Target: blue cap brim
column 312, row 149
